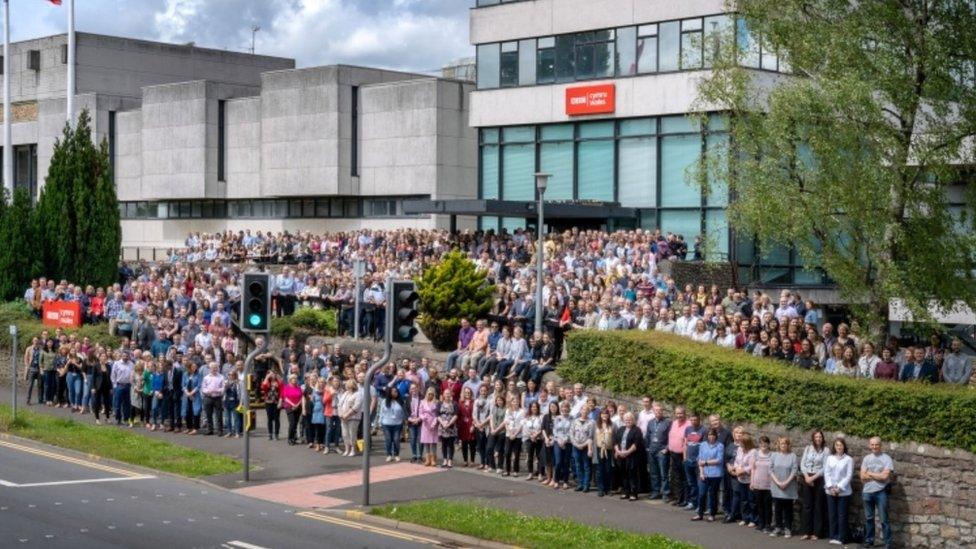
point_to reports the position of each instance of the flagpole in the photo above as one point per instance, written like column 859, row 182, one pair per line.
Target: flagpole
column 71, row 62
column 8, row 150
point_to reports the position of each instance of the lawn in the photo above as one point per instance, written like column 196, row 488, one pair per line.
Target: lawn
column 114, row 443
column 480, row 521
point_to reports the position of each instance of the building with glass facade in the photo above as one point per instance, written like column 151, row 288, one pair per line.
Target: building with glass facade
column 597, row 93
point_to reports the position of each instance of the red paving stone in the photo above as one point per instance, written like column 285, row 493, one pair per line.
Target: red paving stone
column 306, row 492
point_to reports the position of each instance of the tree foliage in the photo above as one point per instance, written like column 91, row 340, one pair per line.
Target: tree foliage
column 856, row 159
column 449, row 291
column 76, row 218
column 19, row 250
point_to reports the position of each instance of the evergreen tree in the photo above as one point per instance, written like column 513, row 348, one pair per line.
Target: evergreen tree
column 77, row 218
column 449, row 291
column 18, row 253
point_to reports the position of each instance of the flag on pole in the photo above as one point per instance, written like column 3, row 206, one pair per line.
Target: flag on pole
column 55, row 2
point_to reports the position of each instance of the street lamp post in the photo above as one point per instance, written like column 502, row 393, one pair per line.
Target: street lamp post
column 541, row 181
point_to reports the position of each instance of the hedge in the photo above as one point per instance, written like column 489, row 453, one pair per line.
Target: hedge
column 743, row 388
column 305, row 322
column 28, row 327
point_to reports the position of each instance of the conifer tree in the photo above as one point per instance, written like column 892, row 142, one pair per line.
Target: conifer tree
column 18, row 253
column 449, row 291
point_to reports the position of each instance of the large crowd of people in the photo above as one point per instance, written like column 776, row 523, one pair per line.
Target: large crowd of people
column 179, row 369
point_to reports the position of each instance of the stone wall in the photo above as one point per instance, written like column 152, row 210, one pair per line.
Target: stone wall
column 933, row 501
column 698, row 272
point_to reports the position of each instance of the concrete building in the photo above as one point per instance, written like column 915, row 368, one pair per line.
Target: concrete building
column 208, row 140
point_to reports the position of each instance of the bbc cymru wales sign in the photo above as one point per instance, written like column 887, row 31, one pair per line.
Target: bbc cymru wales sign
column 66, row 314
column 599, row 99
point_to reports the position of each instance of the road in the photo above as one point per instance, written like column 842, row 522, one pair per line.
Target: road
column 52, row 498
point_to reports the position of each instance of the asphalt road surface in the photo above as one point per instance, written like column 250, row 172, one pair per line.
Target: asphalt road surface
column 51, row 498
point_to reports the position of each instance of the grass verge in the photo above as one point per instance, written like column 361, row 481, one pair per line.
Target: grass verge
column 515, row 528
column 117, row 444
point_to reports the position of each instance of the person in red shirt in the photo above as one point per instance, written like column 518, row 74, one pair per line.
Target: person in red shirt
column 96, row 308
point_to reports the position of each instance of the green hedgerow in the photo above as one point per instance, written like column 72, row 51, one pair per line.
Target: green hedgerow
column 744, row 388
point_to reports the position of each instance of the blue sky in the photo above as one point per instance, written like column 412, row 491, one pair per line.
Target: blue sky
column 418, row 35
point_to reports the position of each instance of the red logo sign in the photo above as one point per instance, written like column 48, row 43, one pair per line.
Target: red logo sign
column 66, row 314
column 599, row 99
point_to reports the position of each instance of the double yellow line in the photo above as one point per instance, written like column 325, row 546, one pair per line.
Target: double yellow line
column 69, row 459
column 367, row 528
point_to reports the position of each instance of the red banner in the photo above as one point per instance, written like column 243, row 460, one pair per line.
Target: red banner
column 599, row 99
column 66, row 314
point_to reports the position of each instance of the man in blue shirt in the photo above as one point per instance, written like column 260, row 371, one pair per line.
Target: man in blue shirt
column 284, row 290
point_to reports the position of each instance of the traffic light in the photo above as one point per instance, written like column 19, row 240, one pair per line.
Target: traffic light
column 405, row 311
column 256, row 302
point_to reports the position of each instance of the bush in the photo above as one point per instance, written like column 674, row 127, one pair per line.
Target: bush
column 306, row 322
column 449, row 291
column 744, row 388
column 28, row 327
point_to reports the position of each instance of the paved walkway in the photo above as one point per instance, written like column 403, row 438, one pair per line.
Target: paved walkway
column 296, row 476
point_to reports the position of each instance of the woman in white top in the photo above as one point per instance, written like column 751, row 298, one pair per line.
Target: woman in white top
column 701, row 333
column 838, row 470
column 514, row 421
column 868, row 361
column 723, row 338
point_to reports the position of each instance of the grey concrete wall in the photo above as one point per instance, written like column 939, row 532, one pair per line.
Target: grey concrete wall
column 174, row 140
column 243, row 134
column 128, row 155
column 49, row 82
column 547, row 17
column 457, row 143
column 123, row 66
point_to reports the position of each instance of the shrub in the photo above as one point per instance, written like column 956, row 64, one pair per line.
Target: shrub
column 450, row 290
column 19, row 313
column 748, row 389
column 308, row 321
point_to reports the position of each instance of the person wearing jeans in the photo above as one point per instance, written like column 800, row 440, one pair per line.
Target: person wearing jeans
column 233, row 420
column 121, row 384
column 656, row 442
column 561, row 447
column 391, row 419
column 693, row 437
column 877, row 469
column 413, row 423
column 710, row 471
column 581, row 436
column 838, row 470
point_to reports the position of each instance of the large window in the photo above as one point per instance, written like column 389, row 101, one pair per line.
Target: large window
column 665, row 46
column 309, row 207
column 643, row 163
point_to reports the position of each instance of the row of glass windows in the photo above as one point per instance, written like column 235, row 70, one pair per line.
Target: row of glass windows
column 641, row 162
column 686, row 44
column 266, row 209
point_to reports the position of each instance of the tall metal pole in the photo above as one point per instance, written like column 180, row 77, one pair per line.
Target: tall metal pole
column 71, row 63
column 262, row 346
column 368, row 381
column 539, row 262
column 8, row 149
column 13, row 363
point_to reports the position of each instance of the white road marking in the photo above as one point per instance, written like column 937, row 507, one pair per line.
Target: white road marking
column 166, row 522
column 138, row 525
column 23, row 540
column 244, row 545
column 65, row 482
column 57, row 503
column 49, row 536
column 84, row 501
column 84, row 530
column 111, row 527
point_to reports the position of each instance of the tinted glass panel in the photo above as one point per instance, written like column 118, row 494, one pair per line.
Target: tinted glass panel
column 669, row 36
column 519, row 170
column 489, row 171
column 627, row 51
column 637, row 165
column 647, row 54
column 596, row 170
column 509, row 64
column 556, row 159
column 565, row 58
column 526, row 62
column 679, row 155
column 488, row 65
column 687, row 223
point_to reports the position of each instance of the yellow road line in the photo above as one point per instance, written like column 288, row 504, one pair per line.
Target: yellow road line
column 68, row 459
column 367, row 527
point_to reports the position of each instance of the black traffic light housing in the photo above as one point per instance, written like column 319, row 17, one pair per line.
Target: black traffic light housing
column 405, row 311
column 256, row 302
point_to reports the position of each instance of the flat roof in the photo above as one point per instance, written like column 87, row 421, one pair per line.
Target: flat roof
column 518, row 208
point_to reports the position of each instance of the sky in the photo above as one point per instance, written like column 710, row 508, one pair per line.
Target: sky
column 416, row 35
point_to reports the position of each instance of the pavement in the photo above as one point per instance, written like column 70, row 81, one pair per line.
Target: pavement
column 53, row 498
column 295, row 477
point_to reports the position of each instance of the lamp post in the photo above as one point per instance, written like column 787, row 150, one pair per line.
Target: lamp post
column 541, row 181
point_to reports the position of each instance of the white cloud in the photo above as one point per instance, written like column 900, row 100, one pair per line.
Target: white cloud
column 400, row 34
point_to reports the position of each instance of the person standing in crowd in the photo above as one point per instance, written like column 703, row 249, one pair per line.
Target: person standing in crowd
column 783, row 473
column 447, row 428
column 812, row 493
column 101, row 388
column 760, row 486
column 213, row 393
column 533, row 441
column 742, row 499
column 656, row 443
column 232, row 400
column 581, row 435
column 32, row 370
column 317, row 415
column 604, row 448
column 350, row 414
column 391, row 420
column 838, row 471
column 121, row 377
column 877, row 471
column 192, row 400
column 886, row 368
column 465, row 424
column 626, row 444
column 291, row 403
column 693, row 436
column 480, row 419
column 414, row 422
column 561, row 427
column 429, row 426
column 711, row 471
column 957, row 368
column 514, row 419
column 676, row 443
